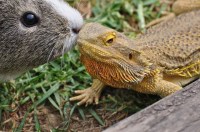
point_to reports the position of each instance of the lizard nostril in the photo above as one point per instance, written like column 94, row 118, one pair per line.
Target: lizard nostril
column 130, row 56
column 76, row 30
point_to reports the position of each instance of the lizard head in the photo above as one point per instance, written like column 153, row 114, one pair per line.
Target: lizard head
column 110, row 56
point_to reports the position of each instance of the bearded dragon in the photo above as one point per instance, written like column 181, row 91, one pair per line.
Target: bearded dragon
column 160, row 61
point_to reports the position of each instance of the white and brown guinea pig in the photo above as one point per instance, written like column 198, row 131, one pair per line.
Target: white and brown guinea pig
column 33, row 32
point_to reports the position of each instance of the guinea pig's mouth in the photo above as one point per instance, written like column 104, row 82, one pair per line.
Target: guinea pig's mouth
column 60, row 48
column 69, row 42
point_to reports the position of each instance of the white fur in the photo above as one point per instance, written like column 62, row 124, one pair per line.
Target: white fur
column 72, row 15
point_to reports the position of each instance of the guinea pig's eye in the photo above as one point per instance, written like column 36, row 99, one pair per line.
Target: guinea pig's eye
column 29, row 19
column 109, row 38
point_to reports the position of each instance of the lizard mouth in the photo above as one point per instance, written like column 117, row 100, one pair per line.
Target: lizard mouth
column 93, row 51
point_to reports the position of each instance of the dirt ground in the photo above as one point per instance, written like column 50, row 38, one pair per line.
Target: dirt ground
column 50, row 118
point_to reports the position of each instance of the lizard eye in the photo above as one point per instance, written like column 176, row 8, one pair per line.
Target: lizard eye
column 109, row 39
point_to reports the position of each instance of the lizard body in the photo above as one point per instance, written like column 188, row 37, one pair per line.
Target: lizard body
column 160, row 61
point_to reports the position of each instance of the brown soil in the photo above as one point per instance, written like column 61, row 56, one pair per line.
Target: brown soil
column 49, row 118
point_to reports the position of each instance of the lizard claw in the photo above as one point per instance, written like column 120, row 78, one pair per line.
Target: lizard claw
column 86, row 96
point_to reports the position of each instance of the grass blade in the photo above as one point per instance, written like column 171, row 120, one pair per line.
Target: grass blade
column 57, row 97
column 72, row 110
column 48, row 93
column 37, row 123
column 95, row 115
column 140, row 12
column 81, row 112
column 66, row 107
column 21, row 126
column 0, row 116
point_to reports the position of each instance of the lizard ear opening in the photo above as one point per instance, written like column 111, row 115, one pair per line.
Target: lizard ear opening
column 130, row 56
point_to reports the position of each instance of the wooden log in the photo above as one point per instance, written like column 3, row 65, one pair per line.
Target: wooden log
column 179, row 112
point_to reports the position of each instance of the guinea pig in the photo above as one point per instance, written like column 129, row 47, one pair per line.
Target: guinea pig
column 33, row 32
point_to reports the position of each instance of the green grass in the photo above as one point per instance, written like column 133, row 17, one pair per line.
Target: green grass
column 54, row 83
column 122, row 14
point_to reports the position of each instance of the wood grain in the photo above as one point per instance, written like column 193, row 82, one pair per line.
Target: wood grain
column 179, row 112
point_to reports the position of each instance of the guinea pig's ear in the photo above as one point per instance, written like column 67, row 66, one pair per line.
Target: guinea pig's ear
column 29, row 19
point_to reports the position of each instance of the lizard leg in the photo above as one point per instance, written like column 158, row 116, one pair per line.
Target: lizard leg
column 164, row 88
column 157, row 85
column 89, row 95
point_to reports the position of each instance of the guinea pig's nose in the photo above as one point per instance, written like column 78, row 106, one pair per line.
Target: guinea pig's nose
column 76, row 30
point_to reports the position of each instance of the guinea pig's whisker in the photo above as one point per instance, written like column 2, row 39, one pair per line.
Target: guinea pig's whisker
column 65, row 47
column 51, row 53
column 63, row 54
